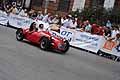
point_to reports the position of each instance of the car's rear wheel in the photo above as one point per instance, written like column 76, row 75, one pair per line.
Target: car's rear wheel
column 19, row 35
column 44, row 43
column 66, row 47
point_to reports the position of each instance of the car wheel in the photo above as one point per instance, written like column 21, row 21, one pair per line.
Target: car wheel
column 66, row 47
column 44, row 43
column 19, row 34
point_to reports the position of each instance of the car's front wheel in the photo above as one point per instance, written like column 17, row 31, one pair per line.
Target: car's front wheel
column 44, row 43
column 19, row 35
column 66, row 47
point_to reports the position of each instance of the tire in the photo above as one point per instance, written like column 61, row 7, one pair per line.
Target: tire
column 44, row 43
column 19, row 35
column 66, row 48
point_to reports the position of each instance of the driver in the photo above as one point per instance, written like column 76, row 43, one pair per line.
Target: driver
column 33, row 28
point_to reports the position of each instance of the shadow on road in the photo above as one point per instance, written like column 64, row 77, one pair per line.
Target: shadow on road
column 37, row 46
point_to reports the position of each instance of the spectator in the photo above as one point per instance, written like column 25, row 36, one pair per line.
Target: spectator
column 88, row 26
column 19, row 9
column 95, row 29
column 115, row 31
column 23, row 13
column 14, row 2
column 108, row 32
column 13, row 9
column 83, row 25
column 64, row 20
column 79, row 23
column 102, row 30
column 73, row 24
column 67, row 21
column 108, row 24
column 7, row 6
column 40, row 15
column 55, row 20
column 30, row 13
column 34, row 15
column 92, row 19
column 46, row 17
column 50, row 18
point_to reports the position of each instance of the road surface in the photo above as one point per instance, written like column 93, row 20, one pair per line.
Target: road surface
column 24, row 61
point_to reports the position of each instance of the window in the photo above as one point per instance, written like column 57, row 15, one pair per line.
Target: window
column 64, row 5
column 37, row 3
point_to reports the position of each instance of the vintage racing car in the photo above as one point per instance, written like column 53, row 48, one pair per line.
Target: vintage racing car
column 44, row 39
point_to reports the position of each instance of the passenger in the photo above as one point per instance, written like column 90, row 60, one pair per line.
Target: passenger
column 41, row 27
column 32, row 28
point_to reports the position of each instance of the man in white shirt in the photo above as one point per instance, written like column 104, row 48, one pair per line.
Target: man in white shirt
column 88, row 26
column 67, row 21
column 115, row 31
column 46, row 18
column 73, row 24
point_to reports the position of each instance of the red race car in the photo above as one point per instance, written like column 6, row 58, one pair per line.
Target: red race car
column 44, row 39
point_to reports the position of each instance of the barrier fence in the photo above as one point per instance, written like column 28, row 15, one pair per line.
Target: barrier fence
column 76, row 38
column 3, row 18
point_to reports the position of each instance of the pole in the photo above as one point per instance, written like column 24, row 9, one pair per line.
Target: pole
column 23, row 2
column 46, row 6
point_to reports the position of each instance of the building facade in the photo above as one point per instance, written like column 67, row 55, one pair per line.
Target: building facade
column 69, row 5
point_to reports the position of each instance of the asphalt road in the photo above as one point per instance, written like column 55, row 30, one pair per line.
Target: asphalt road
column 24, row 61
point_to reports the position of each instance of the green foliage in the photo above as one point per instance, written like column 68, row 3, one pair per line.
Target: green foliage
column 99, row 15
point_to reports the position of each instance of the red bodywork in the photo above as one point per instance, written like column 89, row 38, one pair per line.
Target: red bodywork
column 35, row 37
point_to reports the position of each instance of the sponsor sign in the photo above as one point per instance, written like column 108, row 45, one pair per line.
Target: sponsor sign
column 3, row 18
column 87, row 41
column 18, row 21
column 67, row 33
column 64, row 33
column 111, row 47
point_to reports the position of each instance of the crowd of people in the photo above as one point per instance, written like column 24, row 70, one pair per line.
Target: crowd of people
column 67, row 21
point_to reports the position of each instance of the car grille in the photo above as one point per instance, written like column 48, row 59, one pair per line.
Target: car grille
column 61, row 46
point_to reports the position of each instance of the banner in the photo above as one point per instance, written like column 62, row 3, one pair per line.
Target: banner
column 3, row 18
column 87, row 41
column 82, row 40
column 111, row 47
column 19, row 22
column 67, row 33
